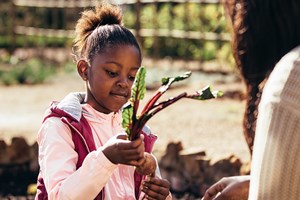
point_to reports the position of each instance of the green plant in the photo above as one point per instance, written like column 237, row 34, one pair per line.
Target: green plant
column 134, row 122
column 32, row 71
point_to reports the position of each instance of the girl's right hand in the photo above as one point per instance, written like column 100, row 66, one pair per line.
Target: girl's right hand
column 121, row 151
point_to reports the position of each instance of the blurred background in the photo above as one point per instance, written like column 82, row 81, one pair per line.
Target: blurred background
column 36, row 67
column 189, row 30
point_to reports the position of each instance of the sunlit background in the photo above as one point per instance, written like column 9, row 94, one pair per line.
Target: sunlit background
column 36, row 67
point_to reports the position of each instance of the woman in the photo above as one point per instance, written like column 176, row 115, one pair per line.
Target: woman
column 263, row 32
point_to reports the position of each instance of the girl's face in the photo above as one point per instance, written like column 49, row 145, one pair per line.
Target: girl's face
column 110, row 77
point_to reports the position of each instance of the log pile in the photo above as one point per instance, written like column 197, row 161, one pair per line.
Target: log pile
column 18, row 166
column 191, row 172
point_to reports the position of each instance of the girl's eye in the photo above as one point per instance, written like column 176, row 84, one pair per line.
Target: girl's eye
column 131, row 78
column 112, row 74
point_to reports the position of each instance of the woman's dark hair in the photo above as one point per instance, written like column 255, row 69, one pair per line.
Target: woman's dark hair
column 99, row 29
column 263, row 32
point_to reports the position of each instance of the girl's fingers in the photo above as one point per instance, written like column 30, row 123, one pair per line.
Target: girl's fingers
column 157, row 181
column 150, row 194
column 138, row 142
column 131, row 152
column 127, row 145
column 140, row 161
column 156, row 188
column 136, row 162
column 122, row 136
column 147, row 197
column 131, row 155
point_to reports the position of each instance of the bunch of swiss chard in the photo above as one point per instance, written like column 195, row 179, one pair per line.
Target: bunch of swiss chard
column 134, row 122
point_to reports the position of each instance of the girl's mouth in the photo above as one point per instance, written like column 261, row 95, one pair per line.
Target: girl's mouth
column 122, row 95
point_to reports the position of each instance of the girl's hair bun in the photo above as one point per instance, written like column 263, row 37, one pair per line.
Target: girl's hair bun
column 105, row 14
column 108, row 14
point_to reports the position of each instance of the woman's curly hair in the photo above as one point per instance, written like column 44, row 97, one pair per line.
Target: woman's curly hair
column 263, row 31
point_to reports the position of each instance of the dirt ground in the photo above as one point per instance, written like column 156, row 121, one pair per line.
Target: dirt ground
column 214, row 126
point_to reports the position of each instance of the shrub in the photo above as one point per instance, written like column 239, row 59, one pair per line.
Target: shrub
column 32, row 71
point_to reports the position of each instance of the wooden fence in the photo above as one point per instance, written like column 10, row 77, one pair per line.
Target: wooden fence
column 64, row 12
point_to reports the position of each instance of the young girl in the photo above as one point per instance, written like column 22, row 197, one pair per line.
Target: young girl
column 83, row 151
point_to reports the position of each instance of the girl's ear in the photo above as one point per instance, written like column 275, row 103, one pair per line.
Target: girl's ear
column 82, row 68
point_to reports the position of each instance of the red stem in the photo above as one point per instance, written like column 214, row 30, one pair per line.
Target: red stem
column 165, row 104
column 137, row 127
column 152, row 101
column 140, row 123
column 135, row 107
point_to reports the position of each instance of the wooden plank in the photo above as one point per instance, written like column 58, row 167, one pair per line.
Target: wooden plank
column 33, row 31
column 55, row 4
column 181, row 34
column 197, row 35
column 87, row 3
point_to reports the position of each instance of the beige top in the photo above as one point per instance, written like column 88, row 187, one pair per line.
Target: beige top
column 275, row 171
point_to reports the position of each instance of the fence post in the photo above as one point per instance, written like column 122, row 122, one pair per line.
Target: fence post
column 156, row 27
column 138, row 22
column 11, row 26
column 186, row 28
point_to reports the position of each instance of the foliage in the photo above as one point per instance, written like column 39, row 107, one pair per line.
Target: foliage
column 35, row 41
column 32, row 71
column 199, row 17
column 163, row 15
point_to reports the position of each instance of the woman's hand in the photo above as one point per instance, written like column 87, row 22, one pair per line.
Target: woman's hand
column 229, row 188
column 155, row 188
column 121, row 151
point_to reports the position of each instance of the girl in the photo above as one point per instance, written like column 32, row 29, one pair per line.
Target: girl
column 81, row 153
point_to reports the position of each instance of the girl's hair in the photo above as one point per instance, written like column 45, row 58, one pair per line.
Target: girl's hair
column 99, row 29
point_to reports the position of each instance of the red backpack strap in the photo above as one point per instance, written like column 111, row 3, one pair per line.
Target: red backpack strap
column 83, row 141
column 82, row 137
column 41, row 192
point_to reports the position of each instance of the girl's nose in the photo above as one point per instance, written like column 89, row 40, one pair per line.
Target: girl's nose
column 123, row 83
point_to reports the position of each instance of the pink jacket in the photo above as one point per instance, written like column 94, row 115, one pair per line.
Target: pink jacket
column 60, row 164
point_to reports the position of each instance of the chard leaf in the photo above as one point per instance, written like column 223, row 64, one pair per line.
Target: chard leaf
column 127, row 113
column 139, row 86
column 217, row 93
column 205, row 94
column 169, row 80
column 138, row 90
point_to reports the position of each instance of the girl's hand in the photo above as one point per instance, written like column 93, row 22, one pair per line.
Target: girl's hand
column 155, row 188
column 121, row 151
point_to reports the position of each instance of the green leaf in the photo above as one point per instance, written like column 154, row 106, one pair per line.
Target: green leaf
column 139, row 86
column 217, row 93
column 127, row 113
column 138, row 91
column 167, row 81
column 205, row 94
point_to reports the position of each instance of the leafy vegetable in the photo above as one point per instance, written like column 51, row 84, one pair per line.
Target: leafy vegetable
column 133, row 123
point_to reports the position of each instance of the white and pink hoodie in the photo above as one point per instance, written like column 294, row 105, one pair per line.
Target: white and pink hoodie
column 58, row 157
